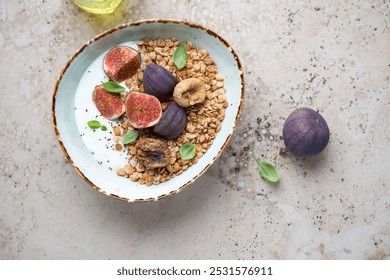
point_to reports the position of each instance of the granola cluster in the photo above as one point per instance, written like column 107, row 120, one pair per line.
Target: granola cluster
column 204, row 120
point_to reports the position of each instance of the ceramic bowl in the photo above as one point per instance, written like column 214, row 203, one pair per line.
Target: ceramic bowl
column 72, row 108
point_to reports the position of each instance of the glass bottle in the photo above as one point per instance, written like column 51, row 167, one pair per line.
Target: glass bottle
column 97, row 6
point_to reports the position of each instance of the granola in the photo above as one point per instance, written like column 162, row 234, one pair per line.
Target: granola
column 204, row 120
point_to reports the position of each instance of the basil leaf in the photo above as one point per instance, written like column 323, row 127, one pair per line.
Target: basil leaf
column 187, row 151
column 180, row 56
column 267, row 171
column 113, row 87
column 94, row 124
column 103, row 128
column 130, row 136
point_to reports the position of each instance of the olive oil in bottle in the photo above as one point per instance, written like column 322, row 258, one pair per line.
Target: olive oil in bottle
column 97, row 6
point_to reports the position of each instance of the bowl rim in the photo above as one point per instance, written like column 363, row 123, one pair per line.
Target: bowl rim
column 123, row 26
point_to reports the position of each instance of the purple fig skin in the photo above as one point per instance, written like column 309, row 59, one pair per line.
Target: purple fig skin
column 172, row 123
column 305, row 133
column 159, row 82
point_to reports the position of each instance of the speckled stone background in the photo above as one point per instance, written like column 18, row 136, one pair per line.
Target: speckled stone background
column 333, row 56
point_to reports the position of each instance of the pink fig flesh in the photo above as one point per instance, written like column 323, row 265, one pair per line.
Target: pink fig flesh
column 142, row 110
column 121, row 63
column 110, row 105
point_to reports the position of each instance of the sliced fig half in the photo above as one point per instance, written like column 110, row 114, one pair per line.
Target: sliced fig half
column 121, row 62
column 110, row 105
column 142, row 110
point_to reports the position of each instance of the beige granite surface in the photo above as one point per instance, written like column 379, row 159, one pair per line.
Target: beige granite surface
column 332, row 56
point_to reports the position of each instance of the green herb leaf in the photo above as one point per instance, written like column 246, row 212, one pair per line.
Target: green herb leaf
column 187, row 151
column 113, row 87
column 103, row 128
column 180, row 56
column 130, row 136
column 267, row 171
column 94, row 124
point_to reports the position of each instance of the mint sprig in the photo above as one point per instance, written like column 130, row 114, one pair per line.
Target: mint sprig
column 187, row 151
column 130, row 137
column 267, row 171
column 113, row 87
column 180, row 56
column 94, row 124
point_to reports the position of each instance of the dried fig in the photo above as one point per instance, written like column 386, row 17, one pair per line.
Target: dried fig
column 142, row 110
column 121, row 62
column 152, row 153
column 189, row 92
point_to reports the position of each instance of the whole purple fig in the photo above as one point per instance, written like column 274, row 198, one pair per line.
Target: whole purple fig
column 172, row 123
column 159, row 82
column 305, row 133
